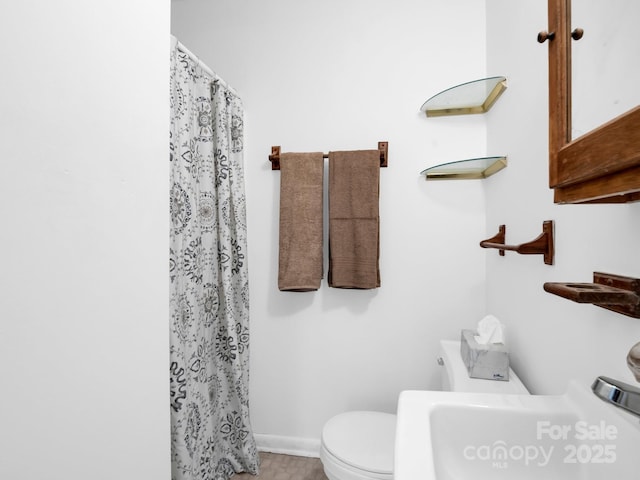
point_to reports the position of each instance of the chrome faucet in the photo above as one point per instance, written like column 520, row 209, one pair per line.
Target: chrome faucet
column 618, row 393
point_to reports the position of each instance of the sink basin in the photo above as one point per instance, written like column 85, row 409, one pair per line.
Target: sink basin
column 477, row 436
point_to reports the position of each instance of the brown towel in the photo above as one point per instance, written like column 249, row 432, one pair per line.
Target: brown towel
column 354, row 235
column 300, row 256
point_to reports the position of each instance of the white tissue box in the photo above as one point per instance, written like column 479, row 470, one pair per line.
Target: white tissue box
column 489, row 361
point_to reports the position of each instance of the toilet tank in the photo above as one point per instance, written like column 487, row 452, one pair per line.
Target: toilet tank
column 456, row 378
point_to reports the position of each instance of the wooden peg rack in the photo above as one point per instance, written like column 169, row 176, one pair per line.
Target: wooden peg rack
column 613, row 292
column 383, row 147
column 542, row 245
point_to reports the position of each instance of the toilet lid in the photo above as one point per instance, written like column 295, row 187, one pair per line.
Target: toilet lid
column 364, row 440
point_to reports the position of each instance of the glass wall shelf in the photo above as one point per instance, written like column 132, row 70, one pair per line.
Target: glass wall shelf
column 474, row 168
column 477, row 96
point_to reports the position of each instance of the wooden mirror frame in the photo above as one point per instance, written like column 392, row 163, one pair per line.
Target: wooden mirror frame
column 602, row 166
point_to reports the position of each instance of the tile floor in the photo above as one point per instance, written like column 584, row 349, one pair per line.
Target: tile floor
column 285, row 467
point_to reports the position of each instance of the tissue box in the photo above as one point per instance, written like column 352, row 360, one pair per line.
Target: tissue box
column 490, row 361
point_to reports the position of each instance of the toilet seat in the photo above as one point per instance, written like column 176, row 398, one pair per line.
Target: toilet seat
column 359, row 446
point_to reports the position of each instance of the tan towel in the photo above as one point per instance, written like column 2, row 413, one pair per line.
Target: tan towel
column 354, row 235
column 300, row 256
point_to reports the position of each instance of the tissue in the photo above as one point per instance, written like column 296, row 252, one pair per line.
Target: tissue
column 489, row 361
column 489, row 330
column 484, row 351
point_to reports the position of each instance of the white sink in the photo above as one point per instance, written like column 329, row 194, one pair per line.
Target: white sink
column 478, row 436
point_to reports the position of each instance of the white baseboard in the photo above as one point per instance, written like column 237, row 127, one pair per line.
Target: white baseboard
column 302, row 447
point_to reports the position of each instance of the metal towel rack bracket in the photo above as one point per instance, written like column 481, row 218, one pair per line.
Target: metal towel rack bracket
column 613, row 292
column 383, row 148
column 542, row 245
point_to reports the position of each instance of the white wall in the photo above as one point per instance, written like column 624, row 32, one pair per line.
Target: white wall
column 84, row 202
column 330, row 75
column 552, row 339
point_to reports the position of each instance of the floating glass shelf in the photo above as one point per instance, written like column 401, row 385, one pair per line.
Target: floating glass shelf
column 474, row 168
column 477, row 96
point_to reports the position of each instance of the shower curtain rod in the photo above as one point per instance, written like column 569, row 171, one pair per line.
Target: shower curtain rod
column 180, row 46
column 194, row 57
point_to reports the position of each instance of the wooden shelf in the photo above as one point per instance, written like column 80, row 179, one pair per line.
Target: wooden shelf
column 613, row 292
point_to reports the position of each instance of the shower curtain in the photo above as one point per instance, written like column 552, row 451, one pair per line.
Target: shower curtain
column 211, row 436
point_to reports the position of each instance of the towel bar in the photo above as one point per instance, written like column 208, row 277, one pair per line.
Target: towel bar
column 274, row 158
column 542, row 245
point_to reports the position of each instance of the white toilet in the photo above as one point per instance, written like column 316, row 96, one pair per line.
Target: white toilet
column 360, row 445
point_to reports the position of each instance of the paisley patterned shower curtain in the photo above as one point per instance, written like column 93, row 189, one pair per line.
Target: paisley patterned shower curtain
column 211, row 436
